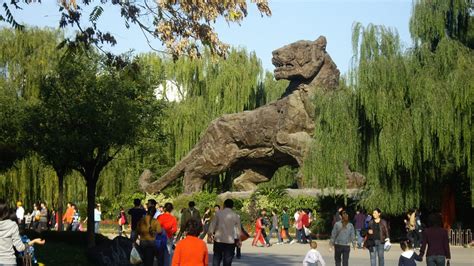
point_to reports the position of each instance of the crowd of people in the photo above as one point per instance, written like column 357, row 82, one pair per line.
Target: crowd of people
column 155, row 235
column 160, row 240
column 224, row 230
column 41, row 218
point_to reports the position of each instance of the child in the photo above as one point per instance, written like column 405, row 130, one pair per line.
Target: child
column 29, row 252
column 408, row 256
column 313, row 256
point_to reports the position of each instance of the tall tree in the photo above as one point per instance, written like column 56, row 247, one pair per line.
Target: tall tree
column 90, row 109
column 407, row 115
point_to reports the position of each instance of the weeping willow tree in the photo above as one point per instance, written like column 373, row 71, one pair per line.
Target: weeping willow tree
column 25, row 56
column 408, row 113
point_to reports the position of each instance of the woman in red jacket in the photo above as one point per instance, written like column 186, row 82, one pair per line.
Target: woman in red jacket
column 258, row 232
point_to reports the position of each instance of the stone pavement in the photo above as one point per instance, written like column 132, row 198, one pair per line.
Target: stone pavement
column 294, row 254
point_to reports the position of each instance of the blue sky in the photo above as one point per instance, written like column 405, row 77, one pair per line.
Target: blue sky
column 292, row 20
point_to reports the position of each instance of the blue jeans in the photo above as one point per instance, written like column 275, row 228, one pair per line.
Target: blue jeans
column 377, row 251
column 359, row 238
column 169, row 251
column 96, row 227
column 277, row 233
column 436, row 260
column 298, row 236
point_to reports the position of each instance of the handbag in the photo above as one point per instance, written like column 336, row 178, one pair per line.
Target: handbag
column 387, row 245
column 135, row 257
column 283, row 234
column 243, row 235
column 307, row 232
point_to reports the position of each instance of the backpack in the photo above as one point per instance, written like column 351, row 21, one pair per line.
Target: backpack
column 161, row 240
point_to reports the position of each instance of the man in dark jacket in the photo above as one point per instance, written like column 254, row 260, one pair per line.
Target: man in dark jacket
column 190, row 213
column 359, row 224
column 435, row 239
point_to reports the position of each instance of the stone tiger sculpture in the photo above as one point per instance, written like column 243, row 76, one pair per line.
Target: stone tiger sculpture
column 260, row 141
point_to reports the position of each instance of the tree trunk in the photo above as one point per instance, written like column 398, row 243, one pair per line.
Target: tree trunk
column 91, row 186
column 60, row 201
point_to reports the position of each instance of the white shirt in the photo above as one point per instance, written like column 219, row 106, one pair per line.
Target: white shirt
column 313, row 257
column 20, row 213
column 297, row 215
column 157, row 213
column 97, row 214
column 225, row 226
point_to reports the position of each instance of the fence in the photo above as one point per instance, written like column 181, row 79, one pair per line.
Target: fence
column 460, row 237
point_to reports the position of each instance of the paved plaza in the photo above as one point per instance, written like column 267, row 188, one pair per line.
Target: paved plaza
column 293, row 255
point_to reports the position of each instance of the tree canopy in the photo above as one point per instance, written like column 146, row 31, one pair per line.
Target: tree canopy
column 184, row 27
column 405, row 117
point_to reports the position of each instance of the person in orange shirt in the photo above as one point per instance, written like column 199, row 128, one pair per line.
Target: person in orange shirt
column 191, row 250
column 170, row 225
column 68, row 216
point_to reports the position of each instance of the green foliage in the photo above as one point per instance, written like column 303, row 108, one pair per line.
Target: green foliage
column 435, row 20
column 11, row 119
column 337, row 139
column 405, row 118
column 284, row 177
column 25, row 56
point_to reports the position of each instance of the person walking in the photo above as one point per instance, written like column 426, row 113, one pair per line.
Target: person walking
column 147, row 228
column 305, row 227
column 258, row 232
column 359, row 224
column 205, row 221
column 20, row 214
column 191, row 251
column 43, row 221
column 52, row 219
column 275, row 228
column 342, row 236
column 223, row 229
column 97, row 218
column 170, row 226
column 35, row 217
column 67, row 217
column 377, row 235
column 136, row 214
column 76, row 219
column 191, row 213
column 298, row 225
column 285, row 225
column 122, row 221
column 265, row 224
column 435, row 242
